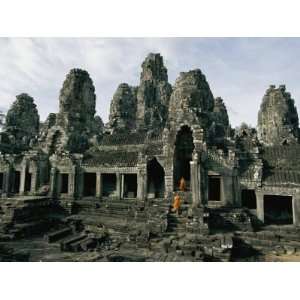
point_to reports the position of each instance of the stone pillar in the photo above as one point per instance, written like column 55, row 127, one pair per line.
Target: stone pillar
column 118, row 175
column 53, row 182
column 23, row 178
column 296, row 209
column 236, row 188
column 199, row 183
column 169, row 182
column 80, row 182
column 122, row 185
column 139, row 185
column 98, row 185
column 195, row 186
column 260, row 206
column 142, row 185
column 145, row 184
column 6, row 182
column 71, row 188
column 34, row 179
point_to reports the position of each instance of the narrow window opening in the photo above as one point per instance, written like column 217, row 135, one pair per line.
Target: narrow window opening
column 214, row 188
column 64, row 183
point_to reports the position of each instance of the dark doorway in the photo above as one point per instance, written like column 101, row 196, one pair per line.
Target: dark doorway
column 156, row 179
column 89, row 181
column 214, row 188
column 109, row 184
column 278, row 209
column 249, row 199
column 27, row 182
column 1, row 181
column 16, row 183
column 184, row 147
column 130, row 185
column 64, row 183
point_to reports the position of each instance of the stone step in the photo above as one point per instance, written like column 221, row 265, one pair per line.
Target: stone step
column 65, row 245
column 81, row 245
column 265, row 242
column 58, row 234
column 107, row 213
column 29, row 228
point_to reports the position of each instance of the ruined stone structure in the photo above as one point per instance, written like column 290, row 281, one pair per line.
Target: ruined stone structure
column 86, row 186
column 2, row 120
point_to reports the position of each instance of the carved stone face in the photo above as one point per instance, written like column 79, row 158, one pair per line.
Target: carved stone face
column 277, row 118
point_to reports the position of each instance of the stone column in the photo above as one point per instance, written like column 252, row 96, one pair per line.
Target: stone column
column 71, row 188
column 236, row 188
column 169, row 182
column 34, row 179
column 98, row 185
column 80, row 183
column 199, row 183
column 6, row 182
column 23, row 178
column 296, row 209
column 118, row 175
column 142, row 185
column 260, row 206
column 195, row 183
column 139, row 185
column 145, row 184
column 2, row 183
column 53, row 182
column 122, row 185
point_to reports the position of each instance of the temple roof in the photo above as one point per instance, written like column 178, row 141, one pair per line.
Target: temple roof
column 123, row 139
column 281, row 177
column 282, row 157
column 111, row 159
column 281, row 165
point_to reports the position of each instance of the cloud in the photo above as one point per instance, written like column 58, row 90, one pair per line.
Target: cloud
column 237, row 69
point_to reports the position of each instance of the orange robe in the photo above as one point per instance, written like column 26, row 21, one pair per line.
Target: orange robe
column 182, row 185
column 176, row 203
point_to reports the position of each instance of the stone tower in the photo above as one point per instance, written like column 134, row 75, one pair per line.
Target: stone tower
column 75, row 124
column 153, row 94
column 122, row 114
column 191, row 100
column 220, row 112
column 278, row 118
column 22, row 119
column 2, row 120
column 77, row 101
column 220, row 127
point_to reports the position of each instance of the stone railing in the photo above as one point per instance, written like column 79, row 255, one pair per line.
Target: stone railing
column 220, row 158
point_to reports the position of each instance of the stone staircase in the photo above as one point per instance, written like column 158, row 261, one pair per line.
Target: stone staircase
column 128, row 222
column 72, row 237
column 24, row 216
column 269, row 240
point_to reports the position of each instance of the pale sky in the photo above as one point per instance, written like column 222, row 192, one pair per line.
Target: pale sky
column 237, row 69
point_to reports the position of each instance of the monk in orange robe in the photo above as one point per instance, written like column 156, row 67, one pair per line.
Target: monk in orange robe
column 182, row 185
column 176, row 204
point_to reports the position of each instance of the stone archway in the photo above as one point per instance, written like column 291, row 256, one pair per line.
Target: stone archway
column 184, row 147
column 156, row 179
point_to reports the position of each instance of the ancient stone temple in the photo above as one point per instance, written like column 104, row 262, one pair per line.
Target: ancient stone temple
column 85, row 191
column 2, row 120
